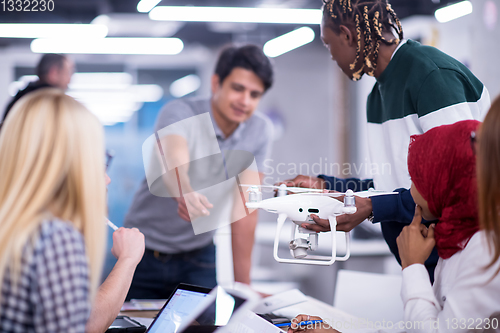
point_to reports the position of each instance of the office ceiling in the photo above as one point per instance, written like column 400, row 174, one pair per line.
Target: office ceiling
column 128, row 22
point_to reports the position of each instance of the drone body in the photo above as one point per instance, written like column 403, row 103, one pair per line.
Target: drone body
column 298, row 208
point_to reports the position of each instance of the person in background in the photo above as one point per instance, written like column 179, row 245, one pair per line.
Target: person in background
column 52, row 221
column 53, row 70
column 466, row 289
column 418, row 88
column 442, row 167
column 226, row 123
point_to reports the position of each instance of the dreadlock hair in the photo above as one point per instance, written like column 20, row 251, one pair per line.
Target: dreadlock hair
column 373, row 17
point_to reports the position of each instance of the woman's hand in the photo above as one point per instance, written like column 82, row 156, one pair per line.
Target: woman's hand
column 415, row 243
column 317, row 327
column 128, row 244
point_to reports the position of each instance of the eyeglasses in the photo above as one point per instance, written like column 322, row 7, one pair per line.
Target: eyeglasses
column 473, row 141
column 109, row 157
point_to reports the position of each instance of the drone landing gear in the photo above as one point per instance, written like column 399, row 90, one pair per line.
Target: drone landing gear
column 299, row 246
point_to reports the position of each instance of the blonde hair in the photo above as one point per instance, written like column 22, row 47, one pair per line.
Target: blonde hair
column 488, row 176
column 52, row 165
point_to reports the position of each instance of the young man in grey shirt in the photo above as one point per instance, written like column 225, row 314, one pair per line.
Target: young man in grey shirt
column 205, row 148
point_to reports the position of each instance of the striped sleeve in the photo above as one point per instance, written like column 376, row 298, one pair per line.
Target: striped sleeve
column 61, row 295
column 458, row 98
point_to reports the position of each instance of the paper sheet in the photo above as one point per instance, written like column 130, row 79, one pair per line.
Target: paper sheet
column 251, row 323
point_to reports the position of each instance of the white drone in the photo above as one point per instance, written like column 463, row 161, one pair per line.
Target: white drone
column 299, row 207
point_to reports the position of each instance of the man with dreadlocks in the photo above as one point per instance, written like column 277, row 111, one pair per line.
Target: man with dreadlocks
column 418, row 88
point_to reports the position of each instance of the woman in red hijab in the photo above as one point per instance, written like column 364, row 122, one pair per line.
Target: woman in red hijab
column 465, row 296
column 466, row 291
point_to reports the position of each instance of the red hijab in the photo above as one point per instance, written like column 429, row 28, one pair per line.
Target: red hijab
column 442, row 167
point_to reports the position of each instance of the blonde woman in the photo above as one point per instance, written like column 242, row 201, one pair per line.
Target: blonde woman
column 52, row 230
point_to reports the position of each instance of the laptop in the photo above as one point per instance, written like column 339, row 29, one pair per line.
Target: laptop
column 188, row 312
column 181, row 304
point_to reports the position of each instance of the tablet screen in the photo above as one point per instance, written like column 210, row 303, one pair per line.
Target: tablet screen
column 123, row 322
column 216, row 313
column 181, row 304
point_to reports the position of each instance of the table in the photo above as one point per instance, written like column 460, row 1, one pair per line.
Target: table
column 317, row 281
column 311, row 306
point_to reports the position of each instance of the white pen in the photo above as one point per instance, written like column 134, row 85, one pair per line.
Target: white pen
column 111, row 225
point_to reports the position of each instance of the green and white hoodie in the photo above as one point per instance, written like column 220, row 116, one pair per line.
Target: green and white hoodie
column 421, row 88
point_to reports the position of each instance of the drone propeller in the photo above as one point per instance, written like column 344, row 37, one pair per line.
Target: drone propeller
column 284, row 187
column 362, row 194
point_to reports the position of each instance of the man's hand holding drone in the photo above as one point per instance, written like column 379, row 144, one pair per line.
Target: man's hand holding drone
column 305, row 181
column 345, row 222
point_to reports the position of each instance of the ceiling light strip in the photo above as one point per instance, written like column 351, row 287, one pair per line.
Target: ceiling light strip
column 158, row 46
column 185, row 85
column 145, row 6
column 289, row 41
column 453, row 12
column 236, row 14
column 32, row 30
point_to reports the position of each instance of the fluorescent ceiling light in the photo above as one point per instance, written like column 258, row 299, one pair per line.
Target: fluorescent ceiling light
column 97, row 86
column 134, row 93
column 31, row 30
column 454, row 11
column 289, row 41
column 112, row 113
column 185, row 85
column 118, row 45
column 111, row 87
column 145, row 6
column 236, row 14
column 124, row 108
column 22, row 83
column 136, row 25
column 102, row 80
column 110, row 96
column 14, row 87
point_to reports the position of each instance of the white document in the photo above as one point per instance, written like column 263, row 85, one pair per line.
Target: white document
column 281, row 300
column 251, row 323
